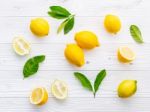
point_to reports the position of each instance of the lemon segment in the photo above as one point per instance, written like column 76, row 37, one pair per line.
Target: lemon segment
column 112, row 23
column 127, row 88
column 39, row 96
column 74, row 54
column 86, row 39
column 59, row 89
column 39, row 27
column 125, row 54
column 21, row 46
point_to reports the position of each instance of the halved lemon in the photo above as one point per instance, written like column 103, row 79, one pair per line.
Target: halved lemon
column 125, row 54
column 21, row 46
column 59, row 89
column 39, row 96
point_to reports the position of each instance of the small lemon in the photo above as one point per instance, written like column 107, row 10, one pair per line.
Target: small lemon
column 112, row 24
column 59, row 89
column 21, row 46
column 86, row 39
column 125, row 54
column 39, row 96
column 39, row 27
column 74, row 54
column 127, row 88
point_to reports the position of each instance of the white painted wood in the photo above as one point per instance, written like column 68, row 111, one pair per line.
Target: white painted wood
column 15, row 16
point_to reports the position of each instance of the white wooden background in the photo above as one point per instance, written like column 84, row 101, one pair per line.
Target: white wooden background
column 15, row 16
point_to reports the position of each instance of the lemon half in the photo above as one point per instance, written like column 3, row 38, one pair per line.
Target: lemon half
column 21, row 46
column 125, row 54
column 59, row 89
column 39, row 96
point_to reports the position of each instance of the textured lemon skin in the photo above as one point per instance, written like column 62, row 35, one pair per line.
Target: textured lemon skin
column 127, row 88
column 43, row 100
column 112, row 24
column 123, row 59
column 86, row 40
column 74, row 54
column 39, row 27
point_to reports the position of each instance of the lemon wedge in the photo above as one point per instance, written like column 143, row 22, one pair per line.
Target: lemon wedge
column 21, row 46
column 125, row 54
column 59, row 89
column 39, row 96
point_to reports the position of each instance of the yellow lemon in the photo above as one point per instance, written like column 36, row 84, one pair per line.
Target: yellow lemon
column 39, row 96
column 39, row 27
column 74, row 54
column 127, row 88
column 21, row 46
column 112, row 24
column 86, row 39
column 59, row 89
column 125, row 54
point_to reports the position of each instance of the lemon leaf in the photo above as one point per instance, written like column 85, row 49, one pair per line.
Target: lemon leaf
column 57, row 16
column 99, row 78
column 60, row 11
column 69, row 25
column 84, row 80
column 136, row 34
column 32, row 65
column 62, row 25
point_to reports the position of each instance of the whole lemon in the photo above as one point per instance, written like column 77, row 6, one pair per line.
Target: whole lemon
column 74, row 54
column 86, row 39
column 39, row 27
column 112, row 23
column 127, row 88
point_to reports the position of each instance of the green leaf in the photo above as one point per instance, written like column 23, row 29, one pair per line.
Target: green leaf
column 136, row 34
column 99, row 80
column 60, row 11
column 84, row 80
column 32, row 65
column 69, row 25
column 52, row 14
column 62, row 25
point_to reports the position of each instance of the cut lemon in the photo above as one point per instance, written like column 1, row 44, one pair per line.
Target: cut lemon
column 39, row 96
column 125, row 54
column 21, row 46
column 59, row 89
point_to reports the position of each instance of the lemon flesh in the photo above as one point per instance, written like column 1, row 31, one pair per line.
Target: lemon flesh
column 127, row 88
column 125, row 54
column 59, row 89
column 39, row 27
column 39, row 96
column 74, row 54
column 21, row 46
column 86, row 39
column 112, row 23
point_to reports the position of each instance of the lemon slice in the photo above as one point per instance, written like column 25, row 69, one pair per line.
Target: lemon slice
column 59, row 89
column 125, row 54
column 21, row 46
column 39, row 96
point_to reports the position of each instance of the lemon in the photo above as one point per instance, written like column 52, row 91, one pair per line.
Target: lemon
column 21, row 46
column 86, row 39
column 39, row 96
column 59, row 89
column 74, row 54
column 127, row 88
column 39, row 27
column 112, row 24
column 125, row 54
